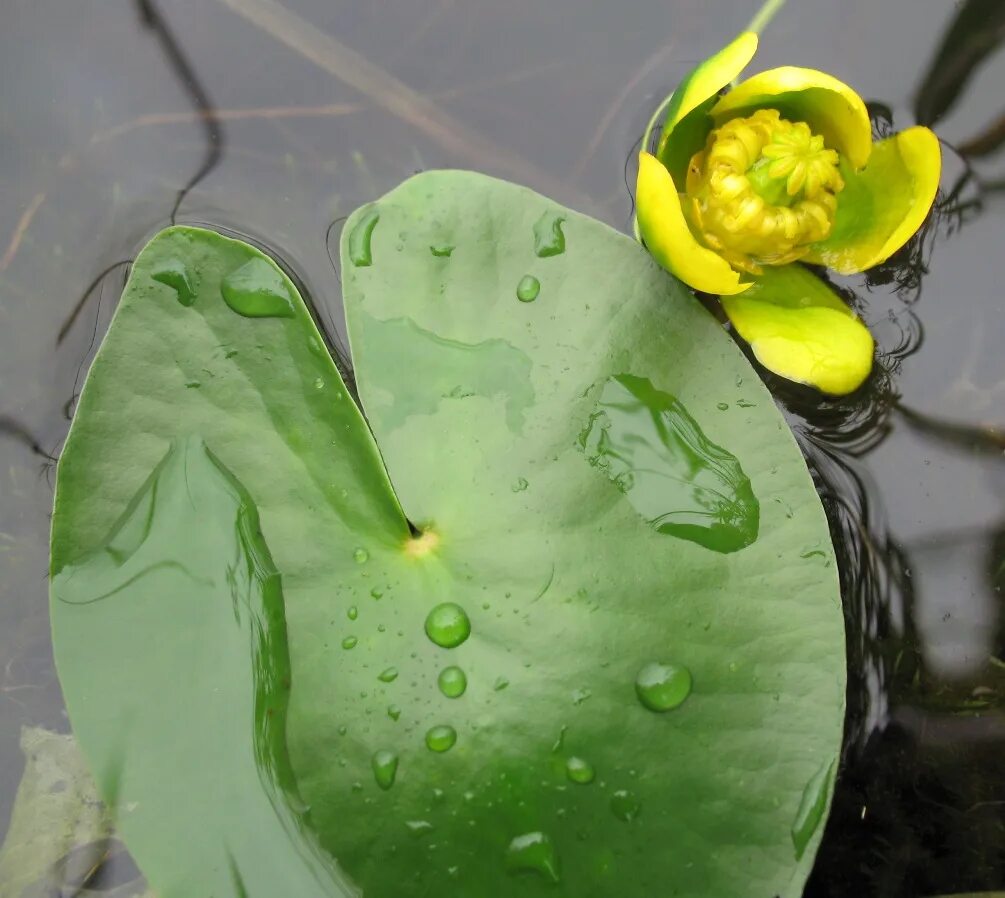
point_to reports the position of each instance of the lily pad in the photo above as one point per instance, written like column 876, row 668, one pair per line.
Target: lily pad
column 584, row 500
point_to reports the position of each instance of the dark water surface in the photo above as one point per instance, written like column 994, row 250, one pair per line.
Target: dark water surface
column 330, row 103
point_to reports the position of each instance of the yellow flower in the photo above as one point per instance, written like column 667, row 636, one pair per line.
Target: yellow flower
column 779, row 170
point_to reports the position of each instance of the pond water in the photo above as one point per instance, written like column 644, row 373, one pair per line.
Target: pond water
column 277, row 121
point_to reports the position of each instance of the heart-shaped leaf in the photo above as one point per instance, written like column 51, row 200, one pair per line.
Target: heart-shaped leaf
column 607, row 656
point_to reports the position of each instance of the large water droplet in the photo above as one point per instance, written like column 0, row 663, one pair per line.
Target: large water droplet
column 393, row 711
column 452, row 682
column 174, row 274
column 441, row 738
column 448, row 625
column 389, row 675
column 625, row 806
column 682, row 483
column 579, row 770
column 352, row 613
column 811, row 808
column 661, row 687
column 548, row 237
column 385, row 768
column 442, row 250
column 528, row 288
column 257, row 290
column 349, row 642
column 533, row 853
column 360, row 238
column 360, row 555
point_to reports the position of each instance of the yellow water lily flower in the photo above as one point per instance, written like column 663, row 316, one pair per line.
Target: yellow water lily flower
column 782, row 169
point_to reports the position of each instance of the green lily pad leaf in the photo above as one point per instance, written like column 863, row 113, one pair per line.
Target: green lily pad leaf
column 631, row 587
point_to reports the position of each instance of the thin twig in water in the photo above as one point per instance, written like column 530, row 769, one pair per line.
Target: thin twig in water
column 21, row 229
column 268, row 112
column 393, row 95
column 605, row 122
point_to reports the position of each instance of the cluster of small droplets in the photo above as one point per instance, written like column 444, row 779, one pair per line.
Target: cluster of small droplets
column 762, row 190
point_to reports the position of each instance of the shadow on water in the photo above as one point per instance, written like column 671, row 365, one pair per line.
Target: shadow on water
column 922, row 775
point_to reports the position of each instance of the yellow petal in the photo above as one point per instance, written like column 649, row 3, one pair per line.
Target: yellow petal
column 706, row 80
column 668, row 237
column 830, row 107
column 882, row 206
column 798, row 328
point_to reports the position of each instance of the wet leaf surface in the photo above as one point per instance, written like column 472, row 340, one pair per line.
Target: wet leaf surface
column 698, row 680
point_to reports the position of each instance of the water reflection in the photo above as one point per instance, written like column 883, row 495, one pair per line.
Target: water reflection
column 104, row 157
column 921, row 772
column 178, row 62
column 201, row 735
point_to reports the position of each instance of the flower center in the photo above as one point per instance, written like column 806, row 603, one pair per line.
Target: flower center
column 762, row 190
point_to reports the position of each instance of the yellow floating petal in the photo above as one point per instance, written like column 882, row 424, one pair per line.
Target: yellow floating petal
column 706, row 80
column 830, row 107
column 668, row 237
column 798, row 328
column 882, row 206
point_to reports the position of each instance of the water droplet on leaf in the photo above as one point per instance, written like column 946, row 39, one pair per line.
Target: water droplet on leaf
column 257, row 290
column 448, row 625
column 528, row 288
column 361, row 236
column 661, row 687
column 682, row 483
column 579, row 770
column 349, row 642
column 452, row 682
column 625, row 806
column 811, row 808
column 174, row 274
column 441, row 738
column 533, row 853
column 548, row 237
column 442, row 250
column 419, row 828
column 389, row 675
column 385, row 768
column 360, row 555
